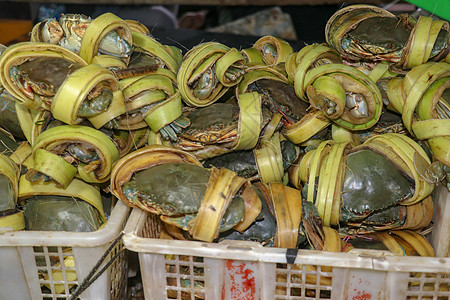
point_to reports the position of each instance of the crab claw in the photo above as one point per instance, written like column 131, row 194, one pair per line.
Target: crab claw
column 52, row 31
column 114, row 45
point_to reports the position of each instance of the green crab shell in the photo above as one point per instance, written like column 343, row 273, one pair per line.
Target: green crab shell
column 211, row 122
column 60, row 213
column 379, row 35
column 367, row 243
column 373, row 183
column 262, row 230
column 7, row 197
column 171, row 188
column 47, row 74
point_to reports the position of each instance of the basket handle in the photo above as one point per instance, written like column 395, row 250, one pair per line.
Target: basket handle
column 92, row 276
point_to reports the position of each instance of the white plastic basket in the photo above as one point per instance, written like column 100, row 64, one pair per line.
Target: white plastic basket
column 174, row 269
column 26, row 255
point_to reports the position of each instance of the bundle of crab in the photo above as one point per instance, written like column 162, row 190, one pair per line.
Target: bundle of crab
column 58, row 222
column 341, row 157
column 253, row 173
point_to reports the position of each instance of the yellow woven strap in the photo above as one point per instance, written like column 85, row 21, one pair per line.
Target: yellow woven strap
column 421, row 41
column 164, row 112
column 149, row 45
column 342, row 135
column 108, row 61
column 66, row 134
column 250, row 118
column 137, row 26
column 283, row 49
column 417, row 241
column 269, row 160
column 352, row 80
column 222, row 186
column 251, row 55
column 306, row 58
column 314, row 168
column 287, row 204
column 197, row 61
column 232, row 58
column 115, row 109
column 419, row 215
column 307, row 127
column 21, row 153
column 75, row 89
column 431, row 128
column 329, row 189
column 98, row 29
column 15, row 221
column 416, row 82
column 19, row 53
column 381, row 70
column 252, row 207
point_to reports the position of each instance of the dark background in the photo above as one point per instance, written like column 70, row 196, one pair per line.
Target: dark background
column 309, row 20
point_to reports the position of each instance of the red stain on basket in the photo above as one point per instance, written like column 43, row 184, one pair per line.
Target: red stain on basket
column 361, row 295
column 241, row 278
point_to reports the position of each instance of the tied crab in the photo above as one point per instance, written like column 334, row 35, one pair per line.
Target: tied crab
column 385, row 38
column 244, row 162
column 377, row 37
column 214, row 124
column 280, row 97
column 175, row 191
column 69, row 30
column 367, row 171
column 210, row 131
column 372, row 34
column 41, row 78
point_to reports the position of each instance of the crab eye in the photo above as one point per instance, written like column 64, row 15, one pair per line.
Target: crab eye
column 390, row 46
column 43, row 85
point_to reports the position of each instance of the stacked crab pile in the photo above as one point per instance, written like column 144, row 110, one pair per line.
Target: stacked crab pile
column 309, row 149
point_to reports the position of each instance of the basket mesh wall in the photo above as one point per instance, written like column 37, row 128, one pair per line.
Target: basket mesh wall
column 56, row 271
column 303, row 282
column 428, row 286
column 184, row 277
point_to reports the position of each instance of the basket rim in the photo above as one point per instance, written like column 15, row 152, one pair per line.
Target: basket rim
column 253, row 251
column 100, row 237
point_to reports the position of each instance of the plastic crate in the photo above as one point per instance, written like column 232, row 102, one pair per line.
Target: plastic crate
column 26, row 255
column 175, row 269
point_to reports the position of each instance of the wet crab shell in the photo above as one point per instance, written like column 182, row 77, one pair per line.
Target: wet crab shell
column 142, row 159
column 223, row 127
column 345, row 20
column 9, row 176
column 128, row 184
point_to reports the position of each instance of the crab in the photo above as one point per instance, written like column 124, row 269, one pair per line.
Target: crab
column 384, row 38
column 69, row 30
column 264, row 228
column 42, row 77
column 175, row 191
column 244, row 163
column 372, row 190
column 73, row 153
column 280, row 97
column 61, row 213
column 377, row 37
